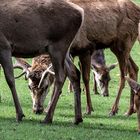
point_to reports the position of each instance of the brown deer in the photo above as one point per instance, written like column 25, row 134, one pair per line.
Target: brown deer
column 101, row 72
column 33, row 27
column 109, row 24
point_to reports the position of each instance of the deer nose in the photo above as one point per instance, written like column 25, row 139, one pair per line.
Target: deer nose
column 38, row 110
column 105, row 94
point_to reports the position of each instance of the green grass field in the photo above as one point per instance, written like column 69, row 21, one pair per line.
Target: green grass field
column 98, row 126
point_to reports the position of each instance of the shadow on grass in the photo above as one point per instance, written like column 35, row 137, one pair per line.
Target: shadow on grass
column 64, row 124
column 97, row 116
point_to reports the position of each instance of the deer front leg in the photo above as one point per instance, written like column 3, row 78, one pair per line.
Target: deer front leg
column 70, row 88
column 85, row 60
column 133, row 74
column 74, row 76
column 6, row 62
column 123, row 61
column 60, row 76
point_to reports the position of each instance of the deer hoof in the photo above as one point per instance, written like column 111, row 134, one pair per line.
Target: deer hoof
column 105, row 95
column 19, row 117
column 130, row 112
column 46, row 121
column 112, row 113
column 127, row 114
column 77, row 121
column 89, row 110
column 87, row 113
column 96, row 92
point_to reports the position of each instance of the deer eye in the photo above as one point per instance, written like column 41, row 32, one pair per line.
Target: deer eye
column 37, row 75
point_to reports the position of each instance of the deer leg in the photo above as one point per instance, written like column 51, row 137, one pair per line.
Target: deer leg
column 85, row 66
column 70, row 88
column 58, row 65
column 95, row 90
column 123, row 69
column 122, row 52
column 57, row 53
column 74, row 76
column 133, row 74
column 6, row 62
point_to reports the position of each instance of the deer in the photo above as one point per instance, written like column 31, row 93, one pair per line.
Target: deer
column 101, row 73
column 33, row 74
column 29, row 28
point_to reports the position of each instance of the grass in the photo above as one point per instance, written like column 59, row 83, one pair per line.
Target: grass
column 97, row 126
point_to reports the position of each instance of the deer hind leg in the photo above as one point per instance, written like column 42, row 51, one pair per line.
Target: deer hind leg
column 60, row 75
column 95, row 89
column 57, row 53
column 85, row 66
column 74, row 76
column 70, row 88
column 133, row 74
column 6, row 62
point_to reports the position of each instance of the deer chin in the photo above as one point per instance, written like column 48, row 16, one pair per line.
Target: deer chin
column 105, row 93
column 38, row 98
column 38, row 110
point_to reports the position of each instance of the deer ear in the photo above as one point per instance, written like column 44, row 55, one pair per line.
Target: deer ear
column 133, row 84
column 112, row 66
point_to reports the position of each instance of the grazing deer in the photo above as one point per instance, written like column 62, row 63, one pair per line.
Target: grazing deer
column 33, row 73
column 101, row 75
column 101, row 72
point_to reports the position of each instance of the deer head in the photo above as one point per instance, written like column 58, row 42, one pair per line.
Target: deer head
column 102, row 77
column 40, row 77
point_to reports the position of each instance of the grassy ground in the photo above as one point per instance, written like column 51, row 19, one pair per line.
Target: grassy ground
column 97, row 126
